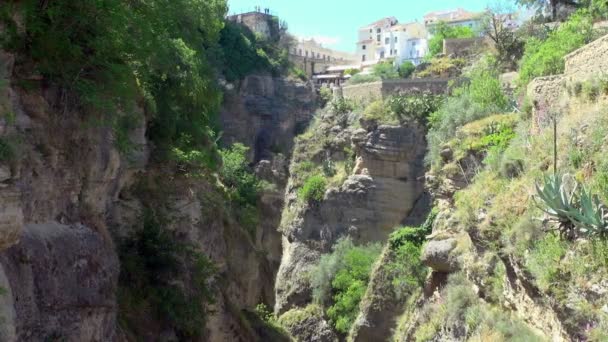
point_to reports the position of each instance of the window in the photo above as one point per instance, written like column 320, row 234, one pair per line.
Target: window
column 363, row 58
column 395, row 39
column 387, row 40
column 381, row 54
column 300, row 52
column 306, row 53
column 396, row 52
column 371, row 31
column 378, row 38
column 363, row 47
column 318, row 55
column 378, row 30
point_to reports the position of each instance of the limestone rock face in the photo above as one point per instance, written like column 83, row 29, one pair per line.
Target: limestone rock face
column 63, row 282
column 384, row 190
column 266, row 113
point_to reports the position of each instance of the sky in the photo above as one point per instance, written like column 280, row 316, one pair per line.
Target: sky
column 334, row 23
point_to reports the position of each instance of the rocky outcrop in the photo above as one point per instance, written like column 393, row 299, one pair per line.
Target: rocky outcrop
column 266, row 113
column 308, row 324
column 385, row 187
column 437, row 254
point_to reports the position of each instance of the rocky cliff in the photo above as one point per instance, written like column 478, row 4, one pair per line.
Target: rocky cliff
column 69, row 198
column 379, row 186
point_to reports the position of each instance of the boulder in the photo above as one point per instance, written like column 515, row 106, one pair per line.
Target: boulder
column 437, row 255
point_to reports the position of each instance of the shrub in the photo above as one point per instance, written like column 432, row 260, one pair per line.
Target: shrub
column 591, row 90
column 545, row 57
column 341, row 106
column 544, row 260
column 313, row 189
column 406, row 69
column 442, row 67
column 349, row 285
column 379, row 111
column 363, row 78
column 325, row 96
column 385, row 70
column 299, row 73
column 235, row 174
column 414, row 107
column 482, row 97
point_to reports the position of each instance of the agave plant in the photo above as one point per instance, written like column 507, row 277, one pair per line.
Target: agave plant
column 591, row 218
column 559, row 203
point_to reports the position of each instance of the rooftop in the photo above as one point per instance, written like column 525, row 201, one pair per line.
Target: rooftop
column 388, row 21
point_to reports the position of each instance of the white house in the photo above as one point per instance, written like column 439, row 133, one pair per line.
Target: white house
column 388, row 40
column 454, row 17
column 371, row 38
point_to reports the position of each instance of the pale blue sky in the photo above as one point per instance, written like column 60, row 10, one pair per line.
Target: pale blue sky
column 335, row 22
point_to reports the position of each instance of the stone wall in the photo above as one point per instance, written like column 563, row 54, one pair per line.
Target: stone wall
column 588, row 62
column 382, row 89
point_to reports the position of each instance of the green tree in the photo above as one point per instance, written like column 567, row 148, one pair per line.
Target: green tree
column 106, row 55
column 444, row 31
column 509, row 48
column 406, row 69
column 385, row 70
column 546, row 57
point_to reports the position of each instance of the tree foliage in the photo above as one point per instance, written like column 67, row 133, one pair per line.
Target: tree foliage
column 107, row 55
column 509, row 46
column 444, row 31
column 546, row 57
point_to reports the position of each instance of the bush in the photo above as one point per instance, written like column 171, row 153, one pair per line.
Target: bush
column 406, row 69
column 379, row 111
column 442, row 67
column 341, row 277
column 325, row 96
column 299, row 73
column 313, row 189
column 544, row 261
column 341, row 106
column 414, row 107
column 385, row 70
column 482, row 97
column 546, row 57
column 364, row 78
column 235, row 174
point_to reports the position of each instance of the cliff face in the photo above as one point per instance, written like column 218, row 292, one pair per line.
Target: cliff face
column 68, row 198
column 382, row 187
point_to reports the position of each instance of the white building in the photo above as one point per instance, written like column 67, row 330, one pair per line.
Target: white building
column 454, row 17
column 371, row 37
column 387, row 40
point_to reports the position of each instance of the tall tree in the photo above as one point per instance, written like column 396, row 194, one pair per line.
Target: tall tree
column 496, row 25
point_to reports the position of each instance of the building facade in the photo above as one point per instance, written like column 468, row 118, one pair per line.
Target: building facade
column 454, row 17
column 262, row 23
column 371, row 39
column 313, row 58
column 387, row 40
